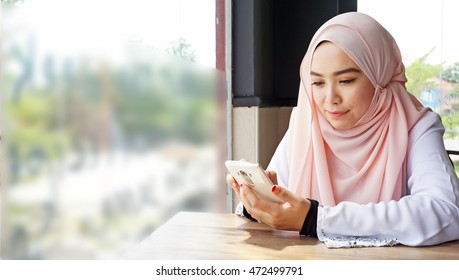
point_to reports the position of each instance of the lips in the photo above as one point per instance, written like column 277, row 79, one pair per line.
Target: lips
column 337, row 114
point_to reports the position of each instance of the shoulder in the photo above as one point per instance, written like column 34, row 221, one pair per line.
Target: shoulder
column 429, row 123
column 426, row 144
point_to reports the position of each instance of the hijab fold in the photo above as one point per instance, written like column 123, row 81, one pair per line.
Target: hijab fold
column 365, row 163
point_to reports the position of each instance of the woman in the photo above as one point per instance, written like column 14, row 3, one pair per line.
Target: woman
column 364, row 162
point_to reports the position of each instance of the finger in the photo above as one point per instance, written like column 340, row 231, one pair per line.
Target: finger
column 248, row 196
column 232, row 182
column 250, row 200
column 252, row 209
column 285, row 195
column 257, row 207
column 234, row 185
column 272, row 175
column 254, row 199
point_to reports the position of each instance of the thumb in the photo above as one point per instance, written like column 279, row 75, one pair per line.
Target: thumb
column 272, row 175
column 284, row 194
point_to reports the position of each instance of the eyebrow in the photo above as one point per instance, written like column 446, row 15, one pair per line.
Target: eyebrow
column 340, row 72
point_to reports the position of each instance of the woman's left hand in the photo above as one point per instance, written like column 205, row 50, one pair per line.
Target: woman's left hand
column 289, row 215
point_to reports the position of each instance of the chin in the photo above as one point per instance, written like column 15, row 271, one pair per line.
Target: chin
column 340, row 126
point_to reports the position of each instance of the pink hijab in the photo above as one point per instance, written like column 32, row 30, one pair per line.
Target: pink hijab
column 365, row 163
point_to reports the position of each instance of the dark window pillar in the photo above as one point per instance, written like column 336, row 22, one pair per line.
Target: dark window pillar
column 270, row 38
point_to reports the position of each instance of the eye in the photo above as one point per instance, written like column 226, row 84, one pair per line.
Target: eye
column 346, row 82
column 316, row 84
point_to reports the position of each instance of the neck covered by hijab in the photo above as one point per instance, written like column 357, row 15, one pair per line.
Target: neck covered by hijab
column 365, row 163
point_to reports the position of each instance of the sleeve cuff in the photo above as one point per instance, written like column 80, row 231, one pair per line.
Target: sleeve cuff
column 247, row 215
column 310, row 222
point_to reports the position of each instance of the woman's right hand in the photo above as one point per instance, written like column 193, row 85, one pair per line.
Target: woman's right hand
column 272, row 175
column 234, row 184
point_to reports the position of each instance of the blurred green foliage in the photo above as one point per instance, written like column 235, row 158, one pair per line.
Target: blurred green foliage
column 419, row 74
column 451, row 73
column 146, row 102
column 423, row 76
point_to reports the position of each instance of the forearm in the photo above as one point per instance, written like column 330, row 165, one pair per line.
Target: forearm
column 413, row 221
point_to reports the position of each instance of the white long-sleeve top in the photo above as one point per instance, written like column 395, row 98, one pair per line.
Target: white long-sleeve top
column 428, row 214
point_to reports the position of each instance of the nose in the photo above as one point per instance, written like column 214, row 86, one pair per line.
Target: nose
column 332, row 96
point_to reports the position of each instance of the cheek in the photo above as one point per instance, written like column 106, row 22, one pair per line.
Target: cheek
column 364, row 100
column 317, row 100
column 370, row 92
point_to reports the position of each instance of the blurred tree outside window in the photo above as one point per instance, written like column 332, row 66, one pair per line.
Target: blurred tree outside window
column 108, row 122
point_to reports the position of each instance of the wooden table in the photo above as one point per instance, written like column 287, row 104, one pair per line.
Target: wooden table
column 211, row 236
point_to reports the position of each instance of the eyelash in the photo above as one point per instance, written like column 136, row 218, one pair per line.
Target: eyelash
column 345, row 82
column 317, row 83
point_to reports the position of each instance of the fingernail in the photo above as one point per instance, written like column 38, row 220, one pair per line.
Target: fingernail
column 240, row 185
column 274, row 188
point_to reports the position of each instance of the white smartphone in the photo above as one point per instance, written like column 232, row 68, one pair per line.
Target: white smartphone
column 252, row 175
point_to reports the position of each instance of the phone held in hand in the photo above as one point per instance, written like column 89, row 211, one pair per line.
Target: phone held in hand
column 254, row 176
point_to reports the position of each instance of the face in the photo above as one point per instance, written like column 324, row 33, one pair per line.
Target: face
column 341, row 91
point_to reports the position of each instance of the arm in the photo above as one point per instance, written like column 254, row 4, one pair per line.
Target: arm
column 427, row 215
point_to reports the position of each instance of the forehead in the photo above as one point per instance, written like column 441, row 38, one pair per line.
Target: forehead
column 327, row 55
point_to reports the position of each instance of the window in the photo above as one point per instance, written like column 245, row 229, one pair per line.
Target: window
column 108, row 122
column 426, row 32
